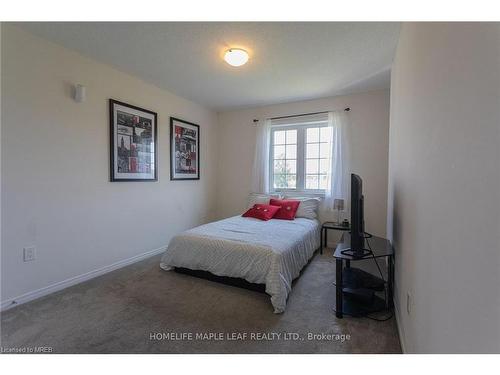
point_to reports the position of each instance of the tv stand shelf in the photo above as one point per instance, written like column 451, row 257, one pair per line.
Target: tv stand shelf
column 357, row 309
column 355, row 278
column 357, row 291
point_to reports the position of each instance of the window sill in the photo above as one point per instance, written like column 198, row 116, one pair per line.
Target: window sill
column 301, row 193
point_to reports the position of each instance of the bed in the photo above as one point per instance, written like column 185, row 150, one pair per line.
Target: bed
column 262, row 252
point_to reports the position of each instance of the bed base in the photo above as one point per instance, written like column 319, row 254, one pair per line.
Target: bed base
column 232, row 281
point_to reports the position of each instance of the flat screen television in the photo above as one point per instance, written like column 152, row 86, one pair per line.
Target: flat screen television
column 357, row 217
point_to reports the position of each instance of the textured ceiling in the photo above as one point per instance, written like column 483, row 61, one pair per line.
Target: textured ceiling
column 288, row 61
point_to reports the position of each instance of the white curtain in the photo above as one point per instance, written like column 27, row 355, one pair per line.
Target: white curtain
column 260, row 173
column 339, row 174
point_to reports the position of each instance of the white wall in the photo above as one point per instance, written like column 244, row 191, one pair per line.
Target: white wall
column 56, row 192
column 444, row 186
column 1, row 116
column 369, row 118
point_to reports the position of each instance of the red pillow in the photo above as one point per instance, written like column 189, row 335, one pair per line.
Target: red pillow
column 287, row 210
column 262, row 211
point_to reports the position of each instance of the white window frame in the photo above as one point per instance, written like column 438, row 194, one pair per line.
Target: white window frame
column 301, row 157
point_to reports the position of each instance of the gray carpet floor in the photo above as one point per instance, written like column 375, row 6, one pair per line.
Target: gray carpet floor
column 118, row 312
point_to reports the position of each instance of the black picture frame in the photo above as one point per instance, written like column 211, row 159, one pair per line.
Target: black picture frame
column 138, row 171
column 174, row 175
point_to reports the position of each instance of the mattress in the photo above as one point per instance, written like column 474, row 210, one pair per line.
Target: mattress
column 264, row 252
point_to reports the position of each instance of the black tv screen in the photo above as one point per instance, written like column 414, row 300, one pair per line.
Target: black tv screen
column 357, row 219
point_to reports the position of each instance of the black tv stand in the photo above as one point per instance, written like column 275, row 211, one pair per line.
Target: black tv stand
column 358, row 291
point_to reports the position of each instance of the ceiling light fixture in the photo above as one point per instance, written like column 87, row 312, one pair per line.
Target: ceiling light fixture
column 236, row 56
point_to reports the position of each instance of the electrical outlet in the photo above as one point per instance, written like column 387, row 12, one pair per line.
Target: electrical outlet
column 29, row 253
column 408, row 303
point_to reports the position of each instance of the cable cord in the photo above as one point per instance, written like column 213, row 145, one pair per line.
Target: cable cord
column 374, row 258
column 382, row 277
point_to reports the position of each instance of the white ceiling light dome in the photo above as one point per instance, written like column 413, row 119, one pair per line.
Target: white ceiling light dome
column 236, row 56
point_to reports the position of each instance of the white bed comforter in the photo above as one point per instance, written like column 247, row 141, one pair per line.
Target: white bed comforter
column 264, row 252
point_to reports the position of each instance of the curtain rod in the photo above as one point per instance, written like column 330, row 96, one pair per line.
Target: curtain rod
column 303, row 114
column 306, row 114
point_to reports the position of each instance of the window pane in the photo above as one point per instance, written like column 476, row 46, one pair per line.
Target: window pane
column 279, row 181
column 324, row 165
column 323, row 182
column 291, row 181
column 312, row 151
column 312, row 166
column 325, row 134
column 291, row 151
column 279, row 167
column 312, row 135
column 291, row 137
column 279, row 152
column 279, row 137
column 312, row 181
column 316, row 160
column 324, row 150
column 291, row 166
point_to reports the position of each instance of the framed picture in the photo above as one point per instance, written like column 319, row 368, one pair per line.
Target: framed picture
column 133, row 143
column 184, row 150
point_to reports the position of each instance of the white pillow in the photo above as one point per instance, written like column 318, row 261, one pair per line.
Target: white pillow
column 308, row 207
column 254, row 198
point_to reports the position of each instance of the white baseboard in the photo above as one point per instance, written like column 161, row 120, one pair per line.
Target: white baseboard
column 30, row 296
column 399, row 324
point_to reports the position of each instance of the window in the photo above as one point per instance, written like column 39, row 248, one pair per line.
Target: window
column 317, row 157
column 285, row 159
column 300, row 155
